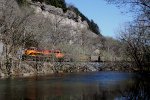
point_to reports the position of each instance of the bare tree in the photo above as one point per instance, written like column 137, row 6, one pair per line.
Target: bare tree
column 140, row 7
column 137, row 40
column 136, row 36
column 12, row 29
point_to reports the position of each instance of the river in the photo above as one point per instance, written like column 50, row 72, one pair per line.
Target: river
column 78, row 86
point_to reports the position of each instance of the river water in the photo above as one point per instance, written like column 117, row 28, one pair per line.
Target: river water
column 78, row 86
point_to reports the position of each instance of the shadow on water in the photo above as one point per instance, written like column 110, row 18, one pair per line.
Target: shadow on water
column 81, row 86
column 139, row 90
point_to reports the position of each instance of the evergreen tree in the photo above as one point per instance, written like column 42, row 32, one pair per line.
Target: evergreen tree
column 21, row 2
column 38, row 1
column 92, row 25
column 56, row 3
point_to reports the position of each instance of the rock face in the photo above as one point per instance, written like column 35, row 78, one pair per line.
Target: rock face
column 43, row 68
column 33, row 68
column 1, row 48
column 76, row 28
column 51, row 12
column 76, row 32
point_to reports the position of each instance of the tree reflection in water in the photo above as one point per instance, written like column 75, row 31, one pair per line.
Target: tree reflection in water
column 139, row 90
column 77, row 87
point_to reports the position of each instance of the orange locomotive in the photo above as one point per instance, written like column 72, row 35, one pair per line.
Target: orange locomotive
column 34, row 54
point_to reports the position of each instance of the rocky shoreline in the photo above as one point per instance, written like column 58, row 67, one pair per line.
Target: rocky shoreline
column 27, row 69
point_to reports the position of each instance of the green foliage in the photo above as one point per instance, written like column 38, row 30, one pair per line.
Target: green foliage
column 21, row 2
column 92, row 25
column 56, row 3
column 38, row 1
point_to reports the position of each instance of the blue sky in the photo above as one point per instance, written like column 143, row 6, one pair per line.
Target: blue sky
column 108, row 17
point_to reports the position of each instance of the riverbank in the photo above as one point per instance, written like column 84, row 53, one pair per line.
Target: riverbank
column 32, row 68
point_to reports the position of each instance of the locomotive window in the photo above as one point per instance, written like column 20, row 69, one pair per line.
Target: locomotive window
column 32, row 48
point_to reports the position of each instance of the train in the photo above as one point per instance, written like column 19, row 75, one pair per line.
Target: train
column 35, row 54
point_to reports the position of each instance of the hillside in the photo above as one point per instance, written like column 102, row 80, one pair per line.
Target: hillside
column 64, row 6
column 47, row 27
column 78, row 32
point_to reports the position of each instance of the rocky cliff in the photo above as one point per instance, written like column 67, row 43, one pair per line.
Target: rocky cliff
column 45, row 27
column 52, row 12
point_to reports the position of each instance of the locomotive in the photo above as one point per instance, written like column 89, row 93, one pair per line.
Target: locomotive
column 35, row 54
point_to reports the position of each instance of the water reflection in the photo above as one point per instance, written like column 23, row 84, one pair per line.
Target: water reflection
column 83, row 86
column 139, row 90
